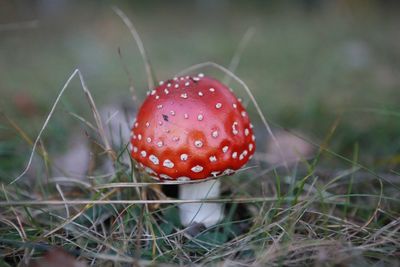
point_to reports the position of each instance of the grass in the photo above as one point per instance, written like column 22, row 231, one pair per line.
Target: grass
column 338, row 208
column 309, row 221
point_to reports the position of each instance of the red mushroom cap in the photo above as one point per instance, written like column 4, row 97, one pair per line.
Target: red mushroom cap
column 191, row 128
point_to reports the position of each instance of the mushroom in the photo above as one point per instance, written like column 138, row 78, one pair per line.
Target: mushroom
column 192, row 129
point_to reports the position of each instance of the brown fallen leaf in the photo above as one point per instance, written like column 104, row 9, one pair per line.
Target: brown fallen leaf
column 25, row 104
column 57, row 257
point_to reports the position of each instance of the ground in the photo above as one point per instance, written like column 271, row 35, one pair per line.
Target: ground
column 325, row 75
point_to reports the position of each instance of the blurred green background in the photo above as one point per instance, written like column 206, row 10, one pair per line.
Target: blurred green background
column 308, row 63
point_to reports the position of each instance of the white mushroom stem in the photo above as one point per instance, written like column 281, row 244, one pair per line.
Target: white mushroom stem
column 208, row 214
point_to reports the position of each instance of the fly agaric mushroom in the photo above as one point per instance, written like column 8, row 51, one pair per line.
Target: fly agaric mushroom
column 192, row 129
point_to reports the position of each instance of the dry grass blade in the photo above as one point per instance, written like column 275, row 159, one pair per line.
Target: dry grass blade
column 44, row 126
column 374, row 214
column 71, row 219
column 238, row 53
column 138, row 40
column 129, row 202
column 18, row 130
column 91, row 126
column 329, row 210
column 250, row 94
column 63, row 198
column 144, row 184
column 160, row 201
column 50, row 115
column 384, row 177
column 10, row 223
column 97, row 118
column 130, row 79
column 21, row 230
